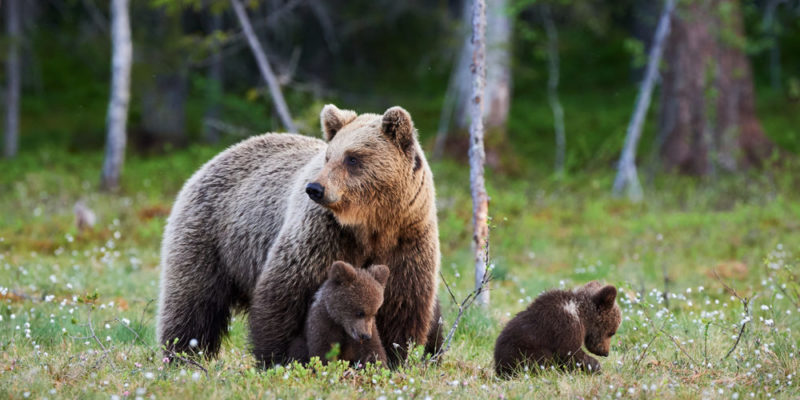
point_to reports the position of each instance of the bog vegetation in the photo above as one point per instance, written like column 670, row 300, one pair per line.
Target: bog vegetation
column 708, row 267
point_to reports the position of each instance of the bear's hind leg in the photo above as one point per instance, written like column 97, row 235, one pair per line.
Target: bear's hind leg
column 194, row 315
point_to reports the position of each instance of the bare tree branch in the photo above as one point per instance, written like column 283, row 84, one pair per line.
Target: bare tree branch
column 263, row 65
column 462, row 308
column 745, row 304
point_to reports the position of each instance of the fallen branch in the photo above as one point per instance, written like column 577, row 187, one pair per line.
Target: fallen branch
column 745, row 304
column 183, row 358
column 462, row 308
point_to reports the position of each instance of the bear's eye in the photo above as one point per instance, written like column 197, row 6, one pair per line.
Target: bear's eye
column 351, row 161
column 361, row 314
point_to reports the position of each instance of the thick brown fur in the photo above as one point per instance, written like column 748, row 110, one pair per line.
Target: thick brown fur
column 244, row 233
column 551, row 331
column 343, row 312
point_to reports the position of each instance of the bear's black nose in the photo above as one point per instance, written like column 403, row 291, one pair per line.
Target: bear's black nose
column 365, row 336
column 315, row 191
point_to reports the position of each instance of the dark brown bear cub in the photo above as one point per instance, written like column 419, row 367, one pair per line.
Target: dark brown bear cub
column 343, row 312
column 552, row 329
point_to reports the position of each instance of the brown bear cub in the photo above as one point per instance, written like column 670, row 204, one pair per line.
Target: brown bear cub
column 343, row 312
column 551, row 331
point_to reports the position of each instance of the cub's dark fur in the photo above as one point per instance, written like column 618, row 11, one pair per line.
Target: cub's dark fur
column 552, row 329
column 343, row 312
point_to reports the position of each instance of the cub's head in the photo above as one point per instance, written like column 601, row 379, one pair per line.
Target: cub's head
column 373, row 165
column 354, row 295
column 602, row 315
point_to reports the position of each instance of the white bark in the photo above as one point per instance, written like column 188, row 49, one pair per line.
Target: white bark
column 477, row 157
column 263, row 65
column 12, row 79
column 627, row 178
column 116, row 120
column 552, row 88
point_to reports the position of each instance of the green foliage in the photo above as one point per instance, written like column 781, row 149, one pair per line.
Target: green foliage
column 545, row 233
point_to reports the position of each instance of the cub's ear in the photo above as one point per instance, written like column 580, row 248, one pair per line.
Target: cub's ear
column 380, row 273
column 605, row 297
column 333, row 119
column 399, row 128
column 341, row 272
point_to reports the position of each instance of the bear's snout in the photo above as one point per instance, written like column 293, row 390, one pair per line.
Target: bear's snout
column 315, row 192
column 365, row 336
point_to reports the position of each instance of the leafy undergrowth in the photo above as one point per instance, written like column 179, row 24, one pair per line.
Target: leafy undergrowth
column 78, row 308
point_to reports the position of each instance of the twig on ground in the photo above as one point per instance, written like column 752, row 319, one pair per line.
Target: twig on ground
column 647, row 347
column 182, row 357
column 745, row 304
column 462, row 308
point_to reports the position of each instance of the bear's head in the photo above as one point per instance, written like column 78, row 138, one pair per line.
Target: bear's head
column 372, row 168
column 353, row 297
column 602, row 317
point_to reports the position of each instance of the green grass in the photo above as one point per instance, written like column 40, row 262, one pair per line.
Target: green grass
column 546, row 233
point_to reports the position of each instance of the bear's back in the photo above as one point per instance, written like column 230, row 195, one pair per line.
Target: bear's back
column 237, row 200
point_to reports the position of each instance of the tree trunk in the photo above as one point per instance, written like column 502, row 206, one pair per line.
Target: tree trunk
column 769, row 26
column 627, row 178
column 263, row 65
column 707, row 118
column 480, row 200
column 498, row 66
column 13, row 79
column 121, row 59
column 458, row 88
column 552, row 88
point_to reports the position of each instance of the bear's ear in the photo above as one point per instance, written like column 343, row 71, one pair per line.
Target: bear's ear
column 333, row 119
column 399, row 128
column 380, row 273
column 605, row 297
column 341, row 272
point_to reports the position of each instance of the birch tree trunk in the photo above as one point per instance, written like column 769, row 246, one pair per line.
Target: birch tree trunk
column 627, row 178
column 13, row 79
column 480, row 200
column 708, row 120
column 552, row 88
column 263, row 65
column 121, row 59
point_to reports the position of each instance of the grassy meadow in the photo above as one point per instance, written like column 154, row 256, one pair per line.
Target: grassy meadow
column 78, row 308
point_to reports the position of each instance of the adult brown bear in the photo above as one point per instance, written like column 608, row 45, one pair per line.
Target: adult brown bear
column 257, row 227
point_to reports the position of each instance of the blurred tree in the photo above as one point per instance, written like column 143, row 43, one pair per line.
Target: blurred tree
column 552, row 87
column 263, row 65
column 480, row 200
column 13, row 79
column 122, row 56
column 215, row 76
column 497, row 91
column 707, row 116
column 627, row 178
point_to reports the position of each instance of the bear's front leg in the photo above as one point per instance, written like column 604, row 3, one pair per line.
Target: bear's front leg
column 408, row 301
column 587, row 362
